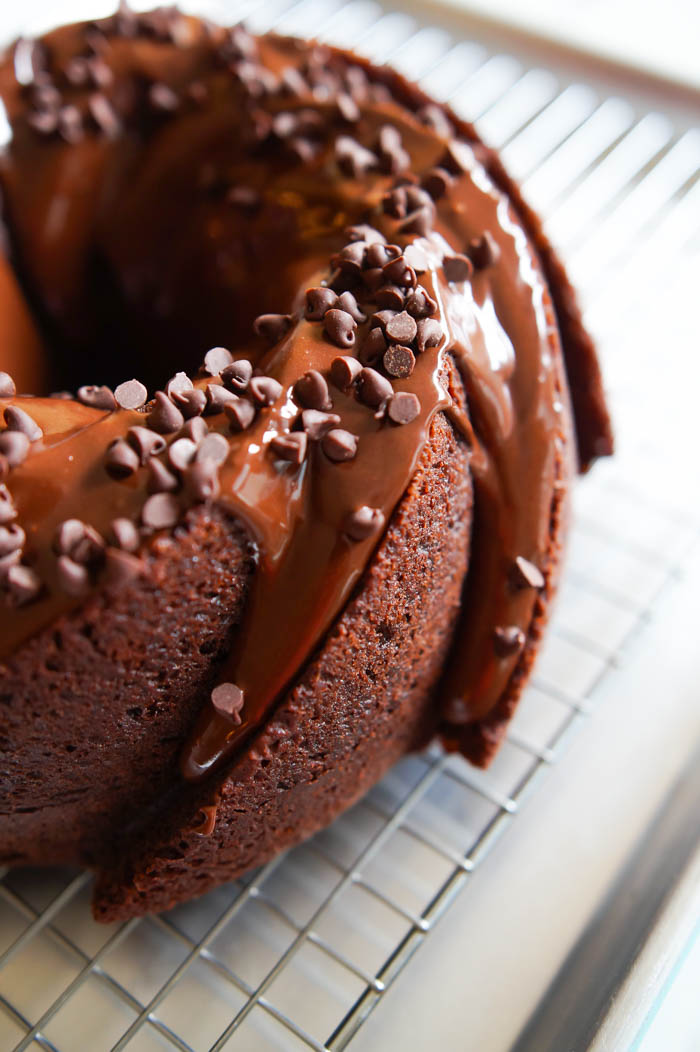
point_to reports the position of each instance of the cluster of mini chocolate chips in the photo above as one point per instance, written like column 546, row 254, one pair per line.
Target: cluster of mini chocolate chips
column 19, row 582
column 509, row 639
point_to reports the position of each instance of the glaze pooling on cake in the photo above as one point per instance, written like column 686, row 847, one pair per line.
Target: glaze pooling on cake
column 390, row 252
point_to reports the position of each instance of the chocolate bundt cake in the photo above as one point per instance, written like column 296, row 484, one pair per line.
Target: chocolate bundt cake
column 323, row 523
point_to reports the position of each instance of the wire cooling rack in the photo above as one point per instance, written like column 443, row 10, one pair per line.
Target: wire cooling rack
column 297, row 955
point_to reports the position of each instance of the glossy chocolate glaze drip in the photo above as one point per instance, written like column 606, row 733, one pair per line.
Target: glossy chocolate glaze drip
column 499, row 328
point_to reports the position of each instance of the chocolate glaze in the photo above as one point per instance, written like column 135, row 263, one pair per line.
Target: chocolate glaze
column 68, row 205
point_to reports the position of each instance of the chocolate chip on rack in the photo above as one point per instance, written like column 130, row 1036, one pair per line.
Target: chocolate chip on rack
column 130, row 395
column 525, row 574
column 399, row 361
column 508, row 641
column 97, row 397
column 363, row 522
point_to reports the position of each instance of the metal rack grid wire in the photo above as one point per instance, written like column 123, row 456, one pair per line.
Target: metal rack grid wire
column 297, row 954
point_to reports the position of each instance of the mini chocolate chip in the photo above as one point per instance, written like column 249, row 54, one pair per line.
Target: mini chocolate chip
column 190, row 403
column 484, row 251
column 217, row 359
column 163, row 98
column 131, row 394
column 177, row 385
column 97, row 397
column 348, row 303
column 70, row 124
column 433, row 116
column 373, row 279
column 8, row 512
column 23, row 583
column 17, row 420
column 89, row 548
column 373, row 346
column 7, row 562
column 525, row 574
column 228, row 700
column 7, row 386
column 347, row 107
column 319, row 300
column 12, row 539
column 265, row 390
column 416, row 197
column 196, row 429
column 373, row 388
column 214, row 447
column 428, row 334
column 160, row 479
column 391, row 152
column 344, row 371
column 181, row 453
column 401, row 328
column 104, row 115
column 236, row 376
column 121, row 567
column 14, row 446
column 316, row 424
column 419, row 222
column 121, row 460
column 146, row 442
column 339, row 445
column 379, row 254
column 420, row 304
column 240, row 413
column 398, row 272
column 340, row 327
column 508, row 641
column 68, row 534
column 364, row 232
column 77, row 71
column 353, row 159
column 389, row 297
column 363, row 522
column 351, row 257
column 124, row 534
column 394, row 202
column 45, row 122
column 403, row 407
column 458, row 267
column 160, row 512
column 218, row 397
column 291, row 446
column 380, row 319
column 164, row 417
column 311, row 390
column 202, row 480
column 272, row 327
column 72, row 577
column 436, row 182
column 399, row 361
